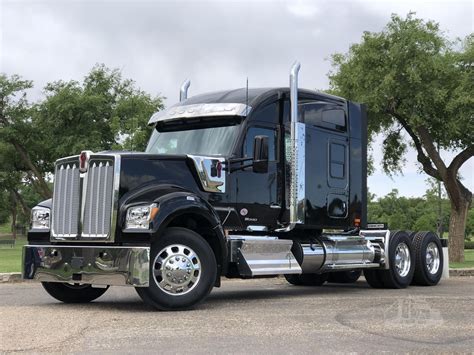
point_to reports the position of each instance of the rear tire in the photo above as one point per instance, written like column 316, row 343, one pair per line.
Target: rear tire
column 428, row 259
column 401, row 259
column 183, row 271
column 69, row 293
column 307, row 279
column 374, row 278
column 345, row 277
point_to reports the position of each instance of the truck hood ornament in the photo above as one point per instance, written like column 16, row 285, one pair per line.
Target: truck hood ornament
column 84, row 160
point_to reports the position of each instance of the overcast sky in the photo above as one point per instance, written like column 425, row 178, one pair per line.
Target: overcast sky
column 216, row 44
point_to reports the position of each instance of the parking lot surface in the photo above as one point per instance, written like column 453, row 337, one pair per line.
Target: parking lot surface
column 251, row 316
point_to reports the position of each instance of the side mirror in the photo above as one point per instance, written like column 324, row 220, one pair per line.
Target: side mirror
column 260, row 154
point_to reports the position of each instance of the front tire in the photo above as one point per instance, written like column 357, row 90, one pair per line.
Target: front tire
column 71, row 293
column 183, row 271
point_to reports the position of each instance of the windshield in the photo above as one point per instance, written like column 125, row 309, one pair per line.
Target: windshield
column 203, row 141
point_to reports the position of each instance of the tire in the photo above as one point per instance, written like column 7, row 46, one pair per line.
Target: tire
column 344, row 277
column 401, row 272
column 394, row 278
column 69, row 293
column 374, row 278
column 191, row 275
column 428, row 259
column 294, row 279
column 307, row 279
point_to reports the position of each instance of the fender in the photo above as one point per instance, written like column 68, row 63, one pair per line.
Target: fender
column 173, row 202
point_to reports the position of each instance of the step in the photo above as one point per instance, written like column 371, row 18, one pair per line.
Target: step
column 259, row 256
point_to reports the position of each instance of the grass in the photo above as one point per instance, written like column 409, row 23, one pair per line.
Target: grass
column 10, row 258
column 5, row 228
column 468, row 260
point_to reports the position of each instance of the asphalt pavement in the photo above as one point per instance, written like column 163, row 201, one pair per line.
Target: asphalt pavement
column 246, row 316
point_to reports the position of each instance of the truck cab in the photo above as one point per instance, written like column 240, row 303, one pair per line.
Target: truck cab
column 240, row 183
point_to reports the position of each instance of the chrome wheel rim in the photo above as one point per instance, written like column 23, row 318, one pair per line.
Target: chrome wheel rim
column 402, row 259
column 177, row 269
column 432, row 258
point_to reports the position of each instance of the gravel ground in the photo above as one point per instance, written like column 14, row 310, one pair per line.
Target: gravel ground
column 252, row 316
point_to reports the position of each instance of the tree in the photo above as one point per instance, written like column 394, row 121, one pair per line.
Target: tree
column 103, row 112
column 415, row 81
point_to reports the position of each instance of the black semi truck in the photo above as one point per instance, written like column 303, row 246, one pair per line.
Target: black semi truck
column 241, row 184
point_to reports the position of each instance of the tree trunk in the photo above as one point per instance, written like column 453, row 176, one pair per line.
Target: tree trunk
column 14, row 221
column 19, row 199
column 43, row 188
column 457, row 229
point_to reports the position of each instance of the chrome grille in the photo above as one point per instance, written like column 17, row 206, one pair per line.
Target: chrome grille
column 98, row 201
column 66, row 200
column 84, row 204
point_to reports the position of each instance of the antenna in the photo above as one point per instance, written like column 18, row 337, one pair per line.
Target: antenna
column 247, row 93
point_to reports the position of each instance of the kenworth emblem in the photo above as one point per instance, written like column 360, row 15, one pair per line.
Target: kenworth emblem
column 84, row 161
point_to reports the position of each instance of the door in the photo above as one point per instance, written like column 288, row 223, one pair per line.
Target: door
column 257, row 197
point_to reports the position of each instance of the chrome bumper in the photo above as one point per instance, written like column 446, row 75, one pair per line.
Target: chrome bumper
column 96, row 265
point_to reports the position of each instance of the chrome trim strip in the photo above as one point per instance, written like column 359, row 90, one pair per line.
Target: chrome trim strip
column 97, row 265
column 201, row 110
column 183, row 91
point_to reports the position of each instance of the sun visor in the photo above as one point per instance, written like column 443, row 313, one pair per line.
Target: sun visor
column 200, row 110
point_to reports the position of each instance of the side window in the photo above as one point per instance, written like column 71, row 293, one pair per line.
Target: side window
column 260, row 131
column 268, row 113
column 323, row 114
column 338, row 160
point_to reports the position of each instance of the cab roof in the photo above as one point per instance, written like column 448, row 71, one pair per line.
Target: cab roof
column 254, row 96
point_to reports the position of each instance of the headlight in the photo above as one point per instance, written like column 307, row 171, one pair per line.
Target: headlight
column 139, row 217
column 40, row 218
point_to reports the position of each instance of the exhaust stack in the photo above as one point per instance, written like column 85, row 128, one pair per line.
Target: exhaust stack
column 183, row 91
column 297, row 186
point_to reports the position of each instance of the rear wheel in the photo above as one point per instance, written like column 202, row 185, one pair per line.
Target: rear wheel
column 73, row 293
column 345, row 277
column 183, row 271
column 374, row 278
column 428, row 259
column 307, row 279
column 401, row 259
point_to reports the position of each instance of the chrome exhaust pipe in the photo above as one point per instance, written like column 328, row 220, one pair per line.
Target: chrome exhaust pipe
column 295, row 68
column 297, row 186
column 183, row 92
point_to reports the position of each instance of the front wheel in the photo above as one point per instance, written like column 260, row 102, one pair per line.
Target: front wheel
column 73, row 293
column 183, row 271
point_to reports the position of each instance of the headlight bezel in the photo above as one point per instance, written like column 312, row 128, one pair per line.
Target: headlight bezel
column 139, row 217
column 40, row 218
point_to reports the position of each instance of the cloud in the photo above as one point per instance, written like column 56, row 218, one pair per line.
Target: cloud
column 302, row 8
column 216, row 44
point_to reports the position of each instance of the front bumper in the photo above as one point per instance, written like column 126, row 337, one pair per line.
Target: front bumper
column 95, row 265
